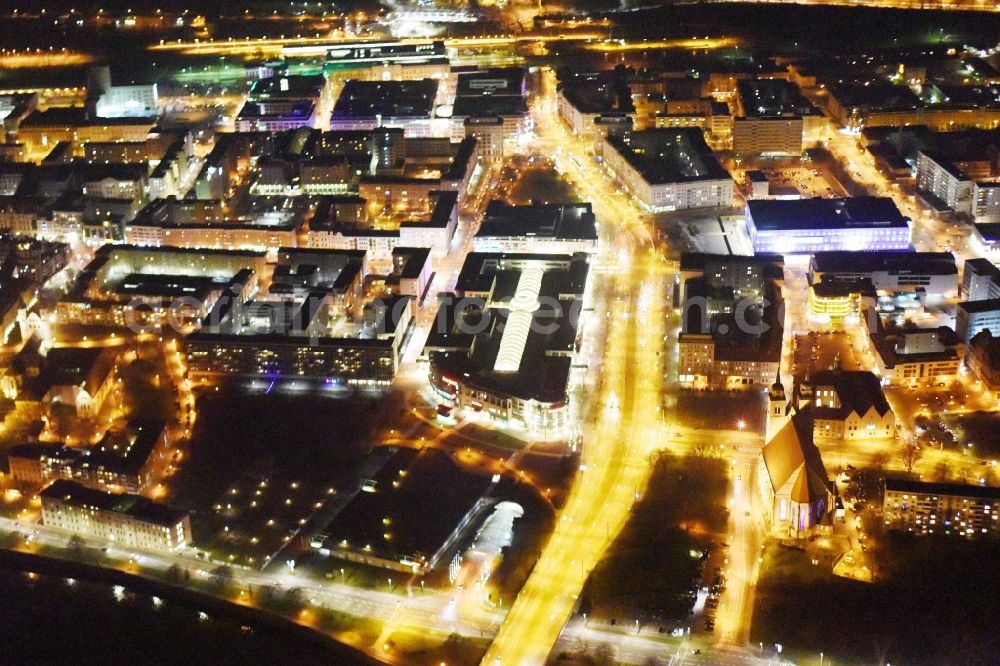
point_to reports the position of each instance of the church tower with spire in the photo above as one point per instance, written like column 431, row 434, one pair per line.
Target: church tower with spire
column 779, row 409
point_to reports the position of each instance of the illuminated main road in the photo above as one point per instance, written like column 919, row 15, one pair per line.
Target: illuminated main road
column 614, row 467
column 746, row 539
column 318, row 46
column 625, row 423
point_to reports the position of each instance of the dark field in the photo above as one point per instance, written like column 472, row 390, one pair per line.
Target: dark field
column 260, row 464
column 721, row 410
column 84, row 623
column 648, row 571
column 935, row 603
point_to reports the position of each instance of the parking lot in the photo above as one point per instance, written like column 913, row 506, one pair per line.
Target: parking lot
column 807, row 180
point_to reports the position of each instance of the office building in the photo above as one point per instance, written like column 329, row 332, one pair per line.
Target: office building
column 497, row 92
column 539, row 228
column 805, row 226
column 135, row 101
column 583, row 99
column 407, row 105
column 980, row 280
column 731, row 329
column 283, row 103
column 906, row 355
column 931, row 273
column 987, row 236
column 667, row 169
column 835, row 301
column 489, row 134
column 971, row 317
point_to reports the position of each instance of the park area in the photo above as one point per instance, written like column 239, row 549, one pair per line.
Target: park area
column 538, row 181
column 652, row 570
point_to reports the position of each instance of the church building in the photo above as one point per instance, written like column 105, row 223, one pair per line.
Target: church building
column 792, row 482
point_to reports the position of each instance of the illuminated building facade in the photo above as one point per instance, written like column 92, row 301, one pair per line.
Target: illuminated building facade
column 836, row 300
column 134, row 101
column 282, row 103
column 496, row 92
column 987, row 237
column 932, row 273
column 130, row 521
column 805, row 226
column 971, row 317
column 312, row 324
column 583, row 99
column 907, row 355
column 138, row 287
column 730, row 330
column 667, row 169
column 77, row 378
column 503, row 345
column 44, row 129
column 857, row 105
column 792, row 482
column 432, row 228
column 846, row 404
column 772, row 116
column 543, row 228
column 121, row 462
column 407, row 105
column 947, row 509
column 769, row 136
